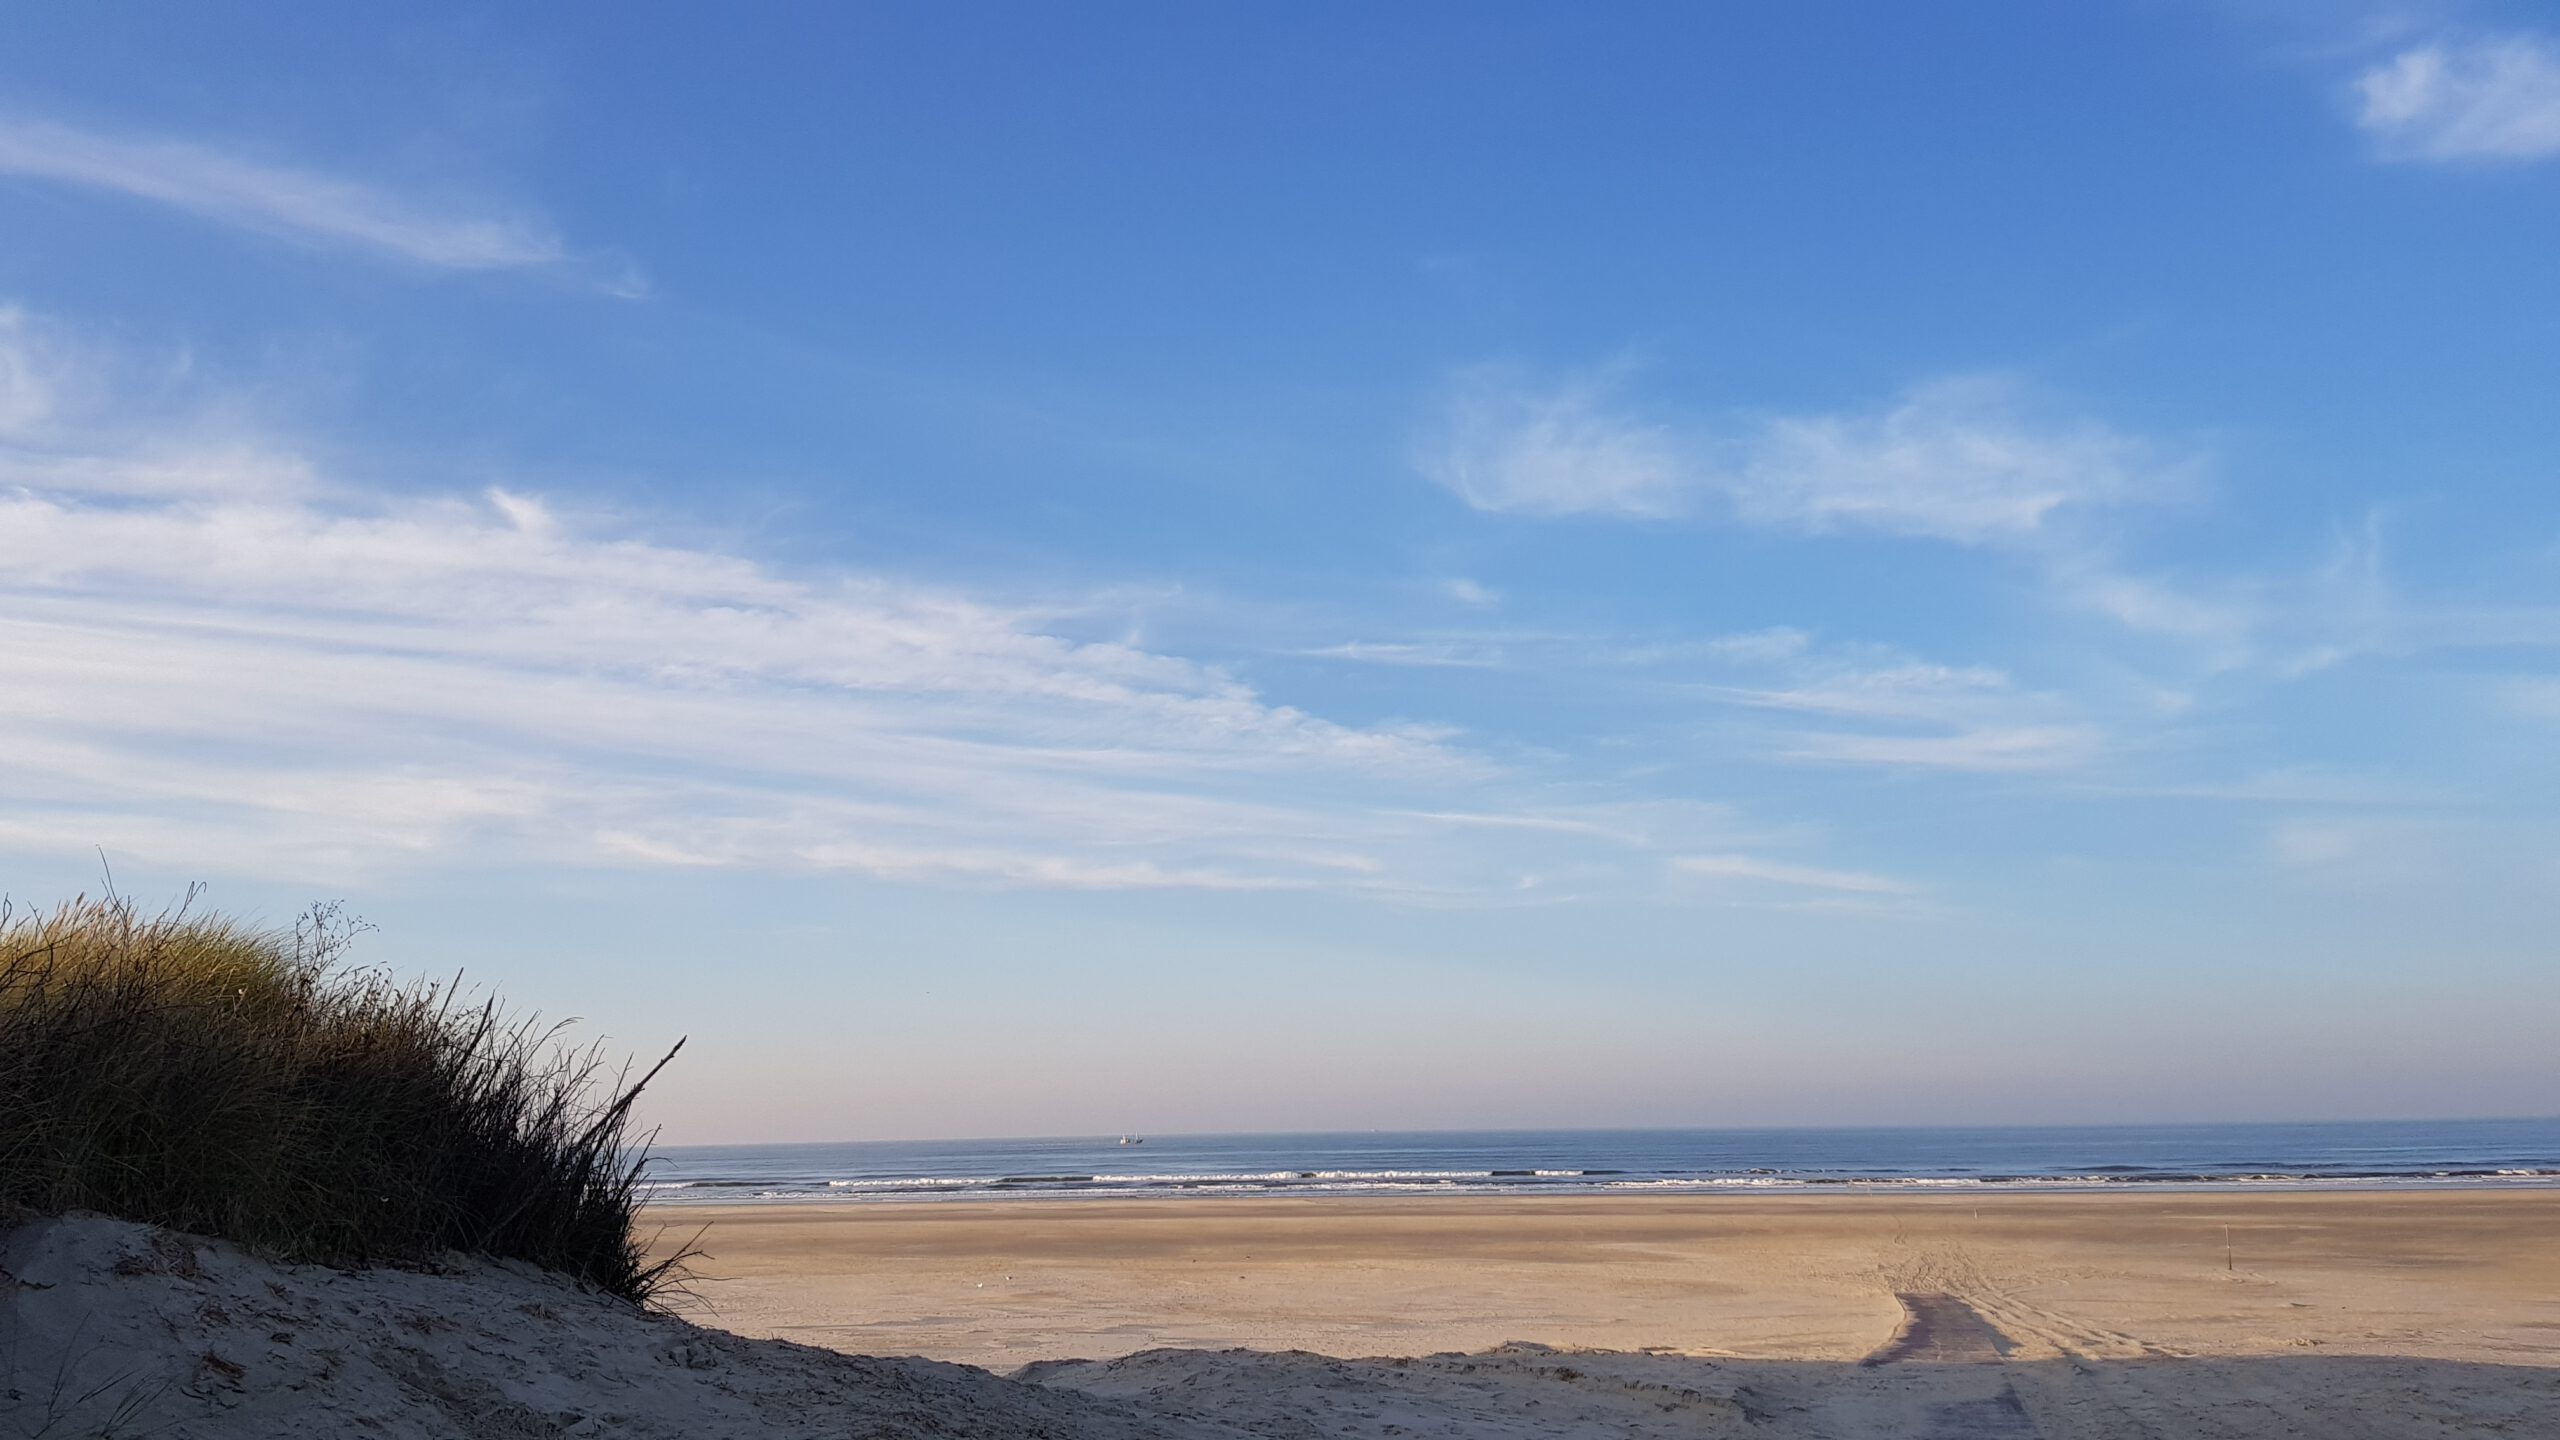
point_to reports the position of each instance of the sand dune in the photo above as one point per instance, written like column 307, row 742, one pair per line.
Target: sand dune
column 112, row 1329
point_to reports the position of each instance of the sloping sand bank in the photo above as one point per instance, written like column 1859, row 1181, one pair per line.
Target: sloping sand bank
column 110, row 1329
column 1525, row 1392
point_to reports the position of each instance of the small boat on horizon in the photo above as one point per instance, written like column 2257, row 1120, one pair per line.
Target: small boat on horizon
column 1133, row 1140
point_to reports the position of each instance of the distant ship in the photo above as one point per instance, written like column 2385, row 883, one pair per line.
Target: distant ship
column 1133, row 1140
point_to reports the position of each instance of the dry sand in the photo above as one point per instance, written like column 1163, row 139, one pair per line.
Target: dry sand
column 122, row 1332
column 1834, row 1317
column 2102, row 1316
column 2451, row 1274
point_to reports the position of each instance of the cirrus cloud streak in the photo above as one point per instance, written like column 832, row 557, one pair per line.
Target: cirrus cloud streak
column 263, row 669
column 288, row 202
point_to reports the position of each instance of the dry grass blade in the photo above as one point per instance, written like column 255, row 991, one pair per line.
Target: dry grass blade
column 187, row 1071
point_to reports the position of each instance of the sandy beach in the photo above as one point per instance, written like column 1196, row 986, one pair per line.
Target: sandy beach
column 1832, row 1317
column 2455, row 1274
column 2204, row 1313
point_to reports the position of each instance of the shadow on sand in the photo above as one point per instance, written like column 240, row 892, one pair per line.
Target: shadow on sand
column 1949, row 1374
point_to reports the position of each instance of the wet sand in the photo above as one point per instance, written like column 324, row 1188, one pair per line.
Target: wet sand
column 2466, row 1275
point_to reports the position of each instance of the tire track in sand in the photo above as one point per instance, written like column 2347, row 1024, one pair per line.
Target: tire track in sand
column 1956, row 1404
column 1941, row 1328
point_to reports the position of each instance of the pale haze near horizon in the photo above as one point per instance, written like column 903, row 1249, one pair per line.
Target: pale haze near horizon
column 1153, row 569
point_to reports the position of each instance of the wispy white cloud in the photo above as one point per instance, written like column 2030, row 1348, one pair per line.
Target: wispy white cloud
column 2390, row 850
column 1429, row 654
column 1966, row 460
column 1895, row 690
column 2533, row 697
column 1776, row 642
column 2466, row 858
column 2338, row 604
column 1762, row 646
column 2324, row 841
column 1865, row 706
column 1509, row 446
column 2012, row 748
column 2490, row 98
column 26, row 382
column 2298, row 786
column 290, row 203
column 1785, row 696
column 71, row 421
column 289, row 665
column 2222, row 616
column 1979, row 461
column 1972, row 459
column 1801, row 877
column 308, row 680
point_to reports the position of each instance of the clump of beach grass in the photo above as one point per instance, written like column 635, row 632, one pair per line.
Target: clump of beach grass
column 185, row 1070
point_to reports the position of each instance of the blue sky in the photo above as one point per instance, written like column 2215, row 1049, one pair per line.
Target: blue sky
column 1177, row 568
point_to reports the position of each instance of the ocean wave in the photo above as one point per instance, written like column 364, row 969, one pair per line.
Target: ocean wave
column 1396, row 1174
column 1719, row 1164
column 1211, row 1177
column 1677, row 1182
column 1308, row 1182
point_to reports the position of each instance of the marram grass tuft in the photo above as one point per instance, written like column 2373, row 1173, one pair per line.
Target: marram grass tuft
column 187, row 1071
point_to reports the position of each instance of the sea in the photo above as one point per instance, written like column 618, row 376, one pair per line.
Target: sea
column 1549, row 1162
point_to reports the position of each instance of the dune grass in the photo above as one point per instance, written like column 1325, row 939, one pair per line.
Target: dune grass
column 188, row 1071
